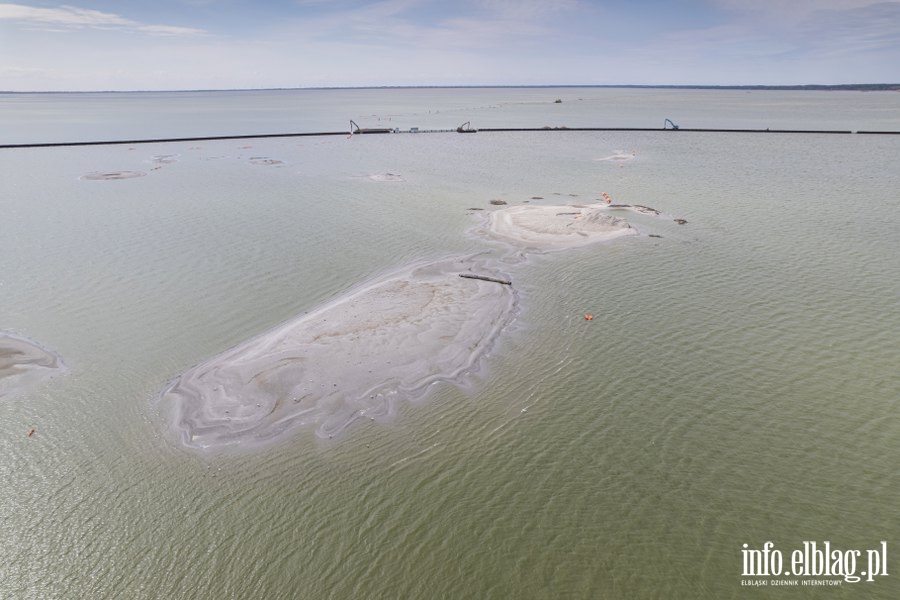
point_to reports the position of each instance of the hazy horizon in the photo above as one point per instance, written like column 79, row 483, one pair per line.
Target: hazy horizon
column 877, row 86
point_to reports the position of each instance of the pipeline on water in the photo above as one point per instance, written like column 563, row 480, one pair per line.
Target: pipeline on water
column 416, row 130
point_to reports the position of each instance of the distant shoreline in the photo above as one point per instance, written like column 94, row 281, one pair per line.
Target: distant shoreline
column 847, row 87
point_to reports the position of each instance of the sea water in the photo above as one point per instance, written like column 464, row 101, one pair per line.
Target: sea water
column 736, row 385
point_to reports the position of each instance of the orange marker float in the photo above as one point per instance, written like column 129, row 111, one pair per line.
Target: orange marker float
column 31, row 432
column 588, row 317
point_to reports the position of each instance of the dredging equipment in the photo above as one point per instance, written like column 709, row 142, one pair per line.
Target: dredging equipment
column 354, row 129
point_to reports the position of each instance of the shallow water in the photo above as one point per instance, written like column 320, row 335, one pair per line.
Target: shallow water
column 737, row 383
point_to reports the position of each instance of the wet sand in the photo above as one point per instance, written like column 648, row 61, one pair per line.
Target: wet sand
column 24, row 363
column 556, row 227
column 352, row 359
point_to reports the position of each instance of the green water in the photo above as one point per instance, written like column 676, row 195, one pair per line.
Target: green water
column 737, row 385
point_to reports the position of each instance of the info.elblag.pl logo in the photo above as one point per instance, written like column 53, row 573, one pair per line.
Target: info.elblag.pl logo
column 813, row 560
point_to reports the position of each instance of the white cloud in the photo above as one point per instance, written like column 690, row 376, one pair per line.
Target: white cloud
column 789, row 13
column 170, row 30
column 394, row 27
column 868, row 31
column 794, row 6
column 16, row 71
column 428, row 42
column 73, row 17
column 527, row 8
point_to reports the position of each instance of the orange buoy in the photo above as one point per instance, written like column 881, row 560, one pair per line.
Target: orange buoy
column 31, row 432
column 588, row 317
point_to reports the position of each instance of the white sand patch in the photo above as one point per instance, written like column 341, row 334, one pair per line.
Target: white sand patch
column 24, row 363
column 556, row 227
column 354, row 358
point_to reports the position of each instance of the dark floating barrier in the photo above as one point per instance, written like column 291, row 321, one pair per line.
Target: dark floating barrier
column 703, row 130
column 486, row 278
column 464, row 128
column 205, row 138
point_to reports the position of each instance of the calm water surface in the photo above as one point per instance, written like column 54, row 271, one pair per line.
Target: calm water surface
column 737, row 385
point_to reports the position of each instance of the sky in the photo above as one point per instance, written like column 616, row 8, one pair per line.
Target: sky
column 235, row 44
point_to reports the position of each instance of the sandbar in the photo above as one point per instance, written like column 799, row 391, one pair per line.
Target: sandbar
column 351, row 359
column 112, row 175
column 618, row 156
column 556, row 227
column 24, row 363
column 386, row 177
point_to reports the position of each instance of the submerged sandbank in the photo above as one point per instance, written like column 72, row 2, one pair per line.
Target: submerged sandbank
column 353, row 358
column 24, row 363
column 556, row 227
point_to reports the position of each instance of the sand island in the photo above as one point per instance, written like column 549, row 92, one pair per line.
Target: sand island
column 556, row 227
column 354, row 358
column 24, row 363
